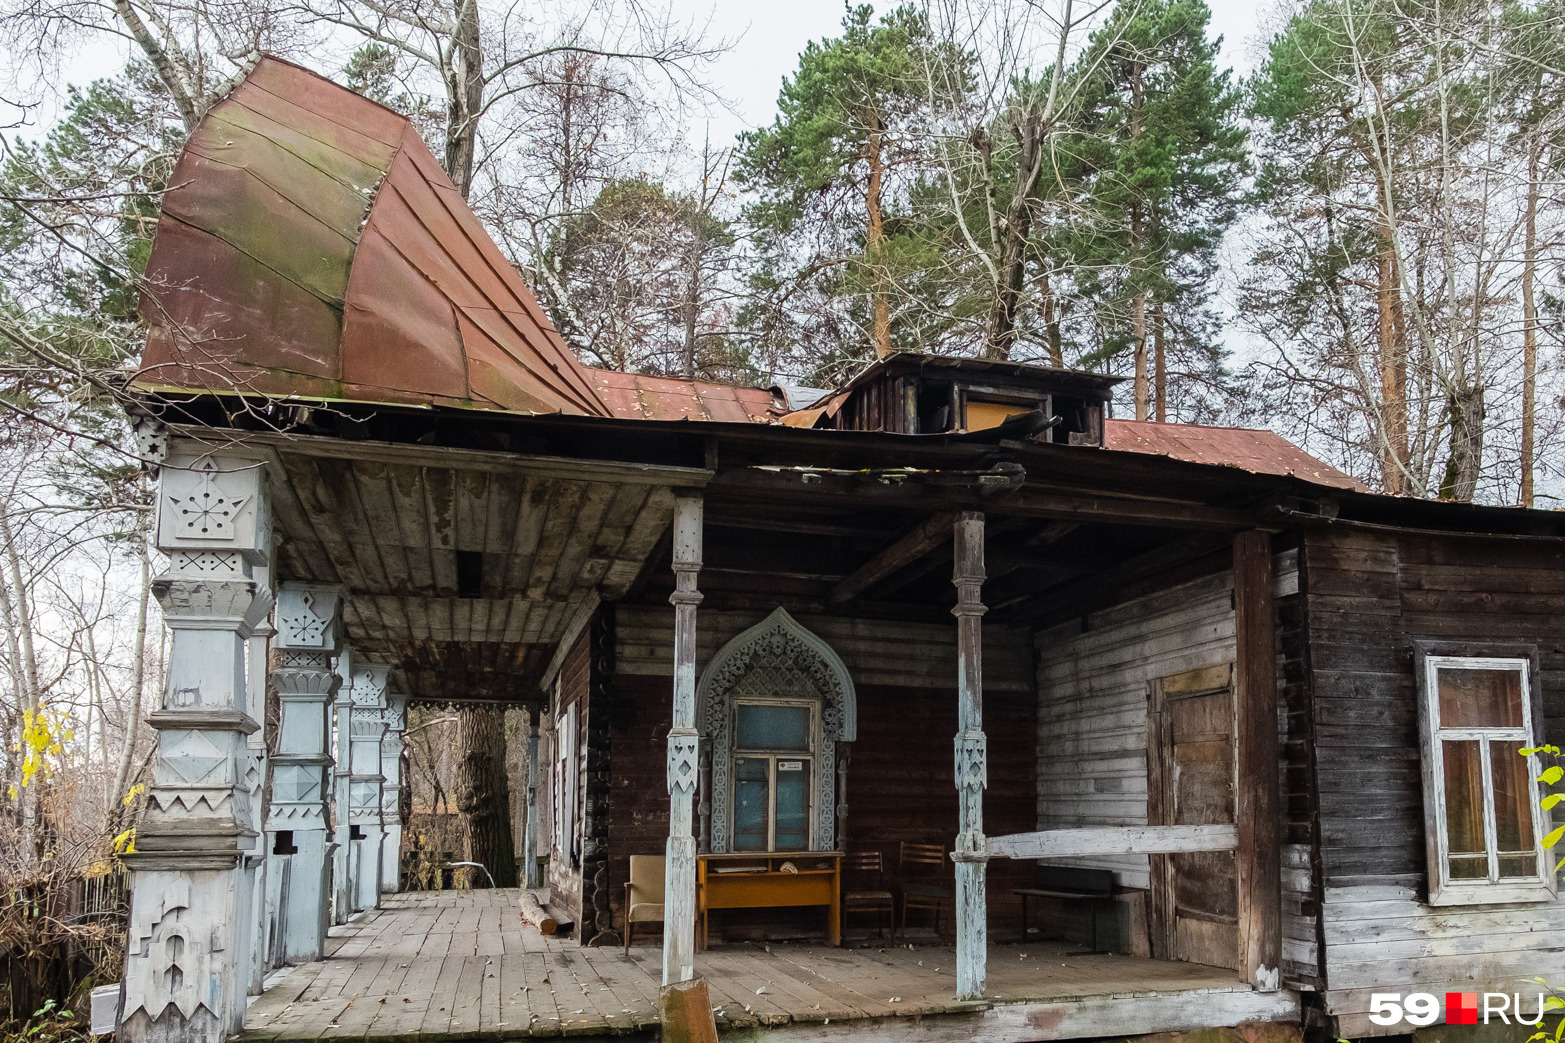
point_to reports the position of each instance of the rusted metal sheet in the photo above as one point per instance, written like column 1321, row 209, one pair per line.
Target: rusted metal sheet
column 1260, row 452
column 634, row 396
column 310, row 246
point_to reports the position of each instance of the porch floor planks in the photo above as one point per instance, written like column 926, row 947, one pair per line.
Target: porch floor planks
column 391, row 971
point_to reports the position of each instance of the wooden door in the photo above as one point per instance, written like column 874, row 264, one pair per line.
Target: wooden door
column 1190, row 782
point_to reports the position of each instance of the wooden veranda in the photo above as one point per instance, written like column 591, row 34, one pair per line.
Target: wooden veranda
column 460, row 965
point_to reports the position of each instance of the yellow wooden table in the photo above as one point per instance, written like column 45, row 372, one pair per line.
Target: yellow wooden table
column 759, row 880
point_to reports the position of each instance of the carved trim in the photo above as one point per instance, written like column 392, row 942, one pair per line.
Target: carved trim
column 778, row 642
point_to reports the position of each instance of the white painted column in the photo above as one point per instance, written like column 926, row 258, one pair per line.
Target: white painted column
column 257, row 647
column 972, row 759
column 342, row 781
column 298, row 821
column 396, row 718
column 531, row 877
column 367, row 728
column 191, row 932
column 684, row 761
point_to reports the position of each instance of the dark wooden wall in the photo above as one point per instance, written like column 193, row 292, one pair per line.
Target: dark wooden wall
column 1367, row 596
column 900, row 784
column 564, row 877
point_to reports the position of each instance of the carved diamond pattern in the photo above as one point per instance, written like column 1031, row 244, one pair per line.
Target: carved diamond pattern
column 305, row 626
column 684, row 752
column 207, row 512
column 191, row 756
column 972, row 760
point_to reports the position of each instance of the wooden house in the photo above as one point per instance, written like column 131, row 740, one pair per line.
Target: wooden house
column 1211, row 710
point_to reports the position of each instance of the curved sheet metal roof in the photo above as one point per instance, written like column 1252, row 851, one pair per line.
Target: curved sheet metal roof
column 310, row 246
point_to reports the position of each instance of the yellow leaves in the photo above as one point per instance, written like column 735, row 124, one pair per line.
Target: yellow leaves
column 135, row 791
column 125, row 843
column 1551, row 775
column 44, row 735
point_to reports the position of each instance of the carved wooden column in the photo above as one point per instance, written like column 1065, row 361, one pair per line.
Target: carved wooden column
column 298, row 822
column 684, row 753
column 341, row 793
column 366, row 729
column 531, row 877
column 257, row 647
column 972, row 759
column 191, row 929
column 395, row 716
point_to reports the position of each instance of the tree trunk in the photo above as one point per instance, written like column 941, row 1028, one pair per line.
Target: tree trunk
column 1530, row 323
column 138, row 680
column 1159, row 367
column 464, row 96
column 1048, row 308
column 1466, row 408
column 691, row 305
column 880, row 298
column 19, row 623
column 1017, row 228
column 1392, row 338
column 483, row 792
column 1138, row 338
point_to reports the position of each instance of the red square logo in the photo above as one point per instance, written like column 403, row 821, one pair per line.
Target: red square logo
column 1461, row 1008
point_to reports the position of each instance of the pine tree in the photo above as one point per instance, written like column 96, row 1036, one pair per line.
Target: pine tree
column 821, row 170
column 1164, row 154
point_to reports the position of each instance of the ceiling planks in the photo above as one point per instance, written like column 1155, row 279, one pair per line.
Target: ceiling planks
column 390, row 532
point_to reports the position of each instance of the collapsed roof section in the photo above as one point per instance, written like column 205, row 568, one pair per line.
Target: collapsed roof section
column 310, row 246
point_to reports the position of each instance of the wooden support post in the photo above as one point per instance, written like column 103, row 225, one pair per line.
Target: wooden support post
column 972, row 759
column 396, row 714
column 684, row 752
column 1257, row 799
column 531, row 877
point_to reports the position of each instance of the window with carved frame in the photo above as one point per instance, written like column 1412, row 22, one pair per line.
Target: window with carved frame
column 1483, row 824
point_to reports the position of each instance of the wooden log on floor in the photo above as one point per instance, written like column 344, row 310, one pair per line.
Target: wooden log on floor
column 534, row 913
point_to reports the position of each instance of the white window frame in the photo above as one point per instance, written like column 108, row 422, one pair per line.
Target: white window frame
column 1442, row 889
column 774, row 756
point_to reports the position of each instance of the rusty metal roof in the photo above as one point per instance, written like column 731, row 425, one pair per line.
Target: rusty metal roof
column 1261, row 452
column 632, row 396
column 311, row 247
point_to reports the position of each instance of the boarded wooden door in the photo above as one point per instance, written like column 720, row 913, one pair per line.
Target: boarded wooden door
column 1190, row 782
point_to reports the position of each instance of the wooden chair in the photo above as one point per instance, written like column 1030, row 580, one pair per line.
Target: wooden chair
column 921, row 880
column 643, row 893
column 865, row 873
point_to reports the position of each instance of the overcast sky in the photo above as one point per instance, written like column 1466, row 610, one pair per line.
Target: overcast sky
column 768, row 37
column 774, row 32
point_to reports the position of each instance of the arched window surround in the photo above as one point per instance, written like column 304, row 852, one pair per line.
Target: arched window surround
column 779, row 638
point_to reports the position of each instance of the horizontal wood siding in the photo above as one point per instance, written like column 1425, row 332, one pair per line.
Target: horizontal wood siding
column 1300, row 868
column 876, row 652
column 1368, row 596
column 900, row 777
column 1092, row 705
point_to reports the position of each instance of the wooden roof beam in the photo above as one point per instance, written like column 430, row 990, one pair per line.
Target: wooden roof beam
column 923, row 538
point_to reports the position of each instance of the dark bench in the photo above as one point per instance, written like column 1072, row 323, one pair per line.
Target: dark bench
column 1093, row 886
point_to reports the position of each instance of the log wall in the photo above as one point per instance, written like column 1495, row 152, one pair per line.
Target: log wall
column 1367, row 597
column 900, row 783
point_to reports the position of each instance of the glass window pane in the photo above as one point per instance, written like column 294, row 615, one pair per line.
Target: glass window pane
column 1518, row 867
column 1512, row 805
column 762, row 727
column 1470, row 868
column 1464, row 798
column 1480, row 698
column 793, row 805
column 752, row 785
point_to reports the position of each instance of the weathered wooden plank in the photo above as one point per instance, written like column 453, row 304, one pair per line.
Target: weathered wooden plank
column 1257, row 811
column 924, row 537
column 1115, row 840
